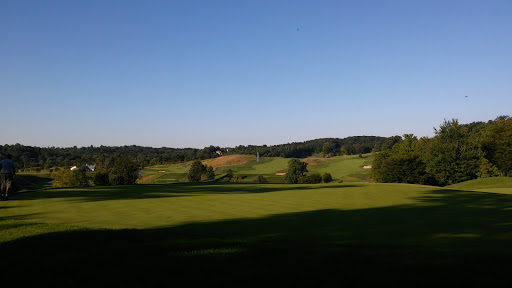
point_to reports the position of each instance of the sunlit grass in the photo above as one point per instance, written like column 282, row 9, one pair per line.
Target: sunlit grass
column 492, row 184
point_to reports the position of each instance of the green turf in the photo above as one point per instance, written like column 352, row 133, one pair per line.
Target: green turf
column 345, row 168
column 267, row 166
column 172, row 205
column 233, row 235
column 493, row 184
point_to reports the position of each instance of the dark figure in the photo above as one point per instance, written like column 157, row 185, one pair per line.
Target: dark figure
column 7, row 175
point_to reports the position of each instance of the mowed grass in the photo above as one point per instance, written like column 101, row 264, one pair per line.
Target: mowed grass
column 493, row 184
column 165, row 174
column 345, row 168
column 152, row 206
column 248, row 235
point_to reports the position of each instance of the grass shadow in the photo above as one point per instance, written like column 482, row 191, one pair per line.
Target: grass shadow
column 449, row 237
column 31, row 182
column 149, row 191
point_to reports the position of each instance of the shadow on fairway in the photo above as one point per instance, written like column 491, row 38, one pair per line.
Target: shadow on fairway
column 147, row 191
column 28, row 182
column 451, row 237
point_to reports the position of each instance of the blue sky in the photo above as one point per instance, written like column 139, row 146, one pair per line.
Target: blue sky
column 226, row 73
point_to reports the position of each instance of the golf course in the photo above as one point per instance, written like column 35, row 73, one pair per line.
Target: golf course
column 255, row 144
column 342, row 168
column 215, row 234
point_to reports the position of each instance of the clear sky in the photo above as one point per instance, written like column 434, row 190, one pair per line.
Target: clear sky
column 226, row 73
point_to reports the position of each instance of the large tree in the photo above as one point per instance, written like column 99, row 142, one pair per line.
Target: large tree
column 452, row 155
column 210, row 173
column 496, row 144
column 125, row 171
column 196, row 170
column 296, row 169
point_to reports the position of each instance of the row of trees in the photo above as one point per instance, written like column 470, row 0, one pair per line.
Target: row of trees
column 457, row 153
column 124, row 171
column 325, row 146
column 29, row 157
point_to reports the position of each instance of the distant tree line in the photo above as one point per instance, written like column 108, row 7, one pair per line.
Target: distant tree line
column 30, row 157
column 457, row 153
column 325, row 146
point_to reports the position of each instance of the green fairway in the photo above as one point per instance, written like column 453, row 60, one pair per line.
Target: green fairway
column 297, row 235
column 493, row 184
column 165, row 174
column 150, row 206
column 345, row 168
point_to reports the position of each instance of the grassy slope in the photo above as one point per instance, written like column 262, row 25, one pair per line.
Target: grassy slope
column 168, row 173
column 346, row 168
column 494, row 184
column 246, row 235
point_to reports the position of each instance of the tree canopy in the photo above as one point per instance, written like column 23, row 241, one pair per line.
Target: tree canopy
column 197, row 169
column 125, row 171
column 296, row 170
column 457, row 153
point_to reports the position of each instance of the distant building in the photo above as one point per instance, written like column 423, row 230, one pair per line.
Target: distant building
column 87, row 168
column 90, row 168
column 219, row 152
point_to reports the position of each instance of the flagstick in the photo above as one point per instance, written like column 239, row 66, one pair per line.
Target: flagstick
column 257, row 163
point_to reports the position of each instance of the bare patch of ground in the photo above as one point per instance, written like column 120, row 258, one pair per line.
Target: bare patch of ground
column 312, row 162
column 144, row 178
column 228, row 160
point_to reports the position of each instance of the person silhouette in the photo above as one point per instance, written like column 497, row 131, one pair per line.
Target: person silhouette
column 7, row 175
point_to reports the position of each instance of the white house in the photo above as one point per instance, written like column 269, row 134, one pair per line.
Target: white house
column 90, row 168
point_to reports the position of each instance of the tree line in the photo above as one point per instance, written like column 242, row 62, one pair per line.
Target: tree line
column 30, row 157
column 325, row 146
column 457, row 153
column 38, row 158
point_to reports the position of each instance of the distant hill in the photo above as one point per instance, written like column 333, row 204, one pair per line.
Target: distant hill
column 342, row 168
column 229, row 160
